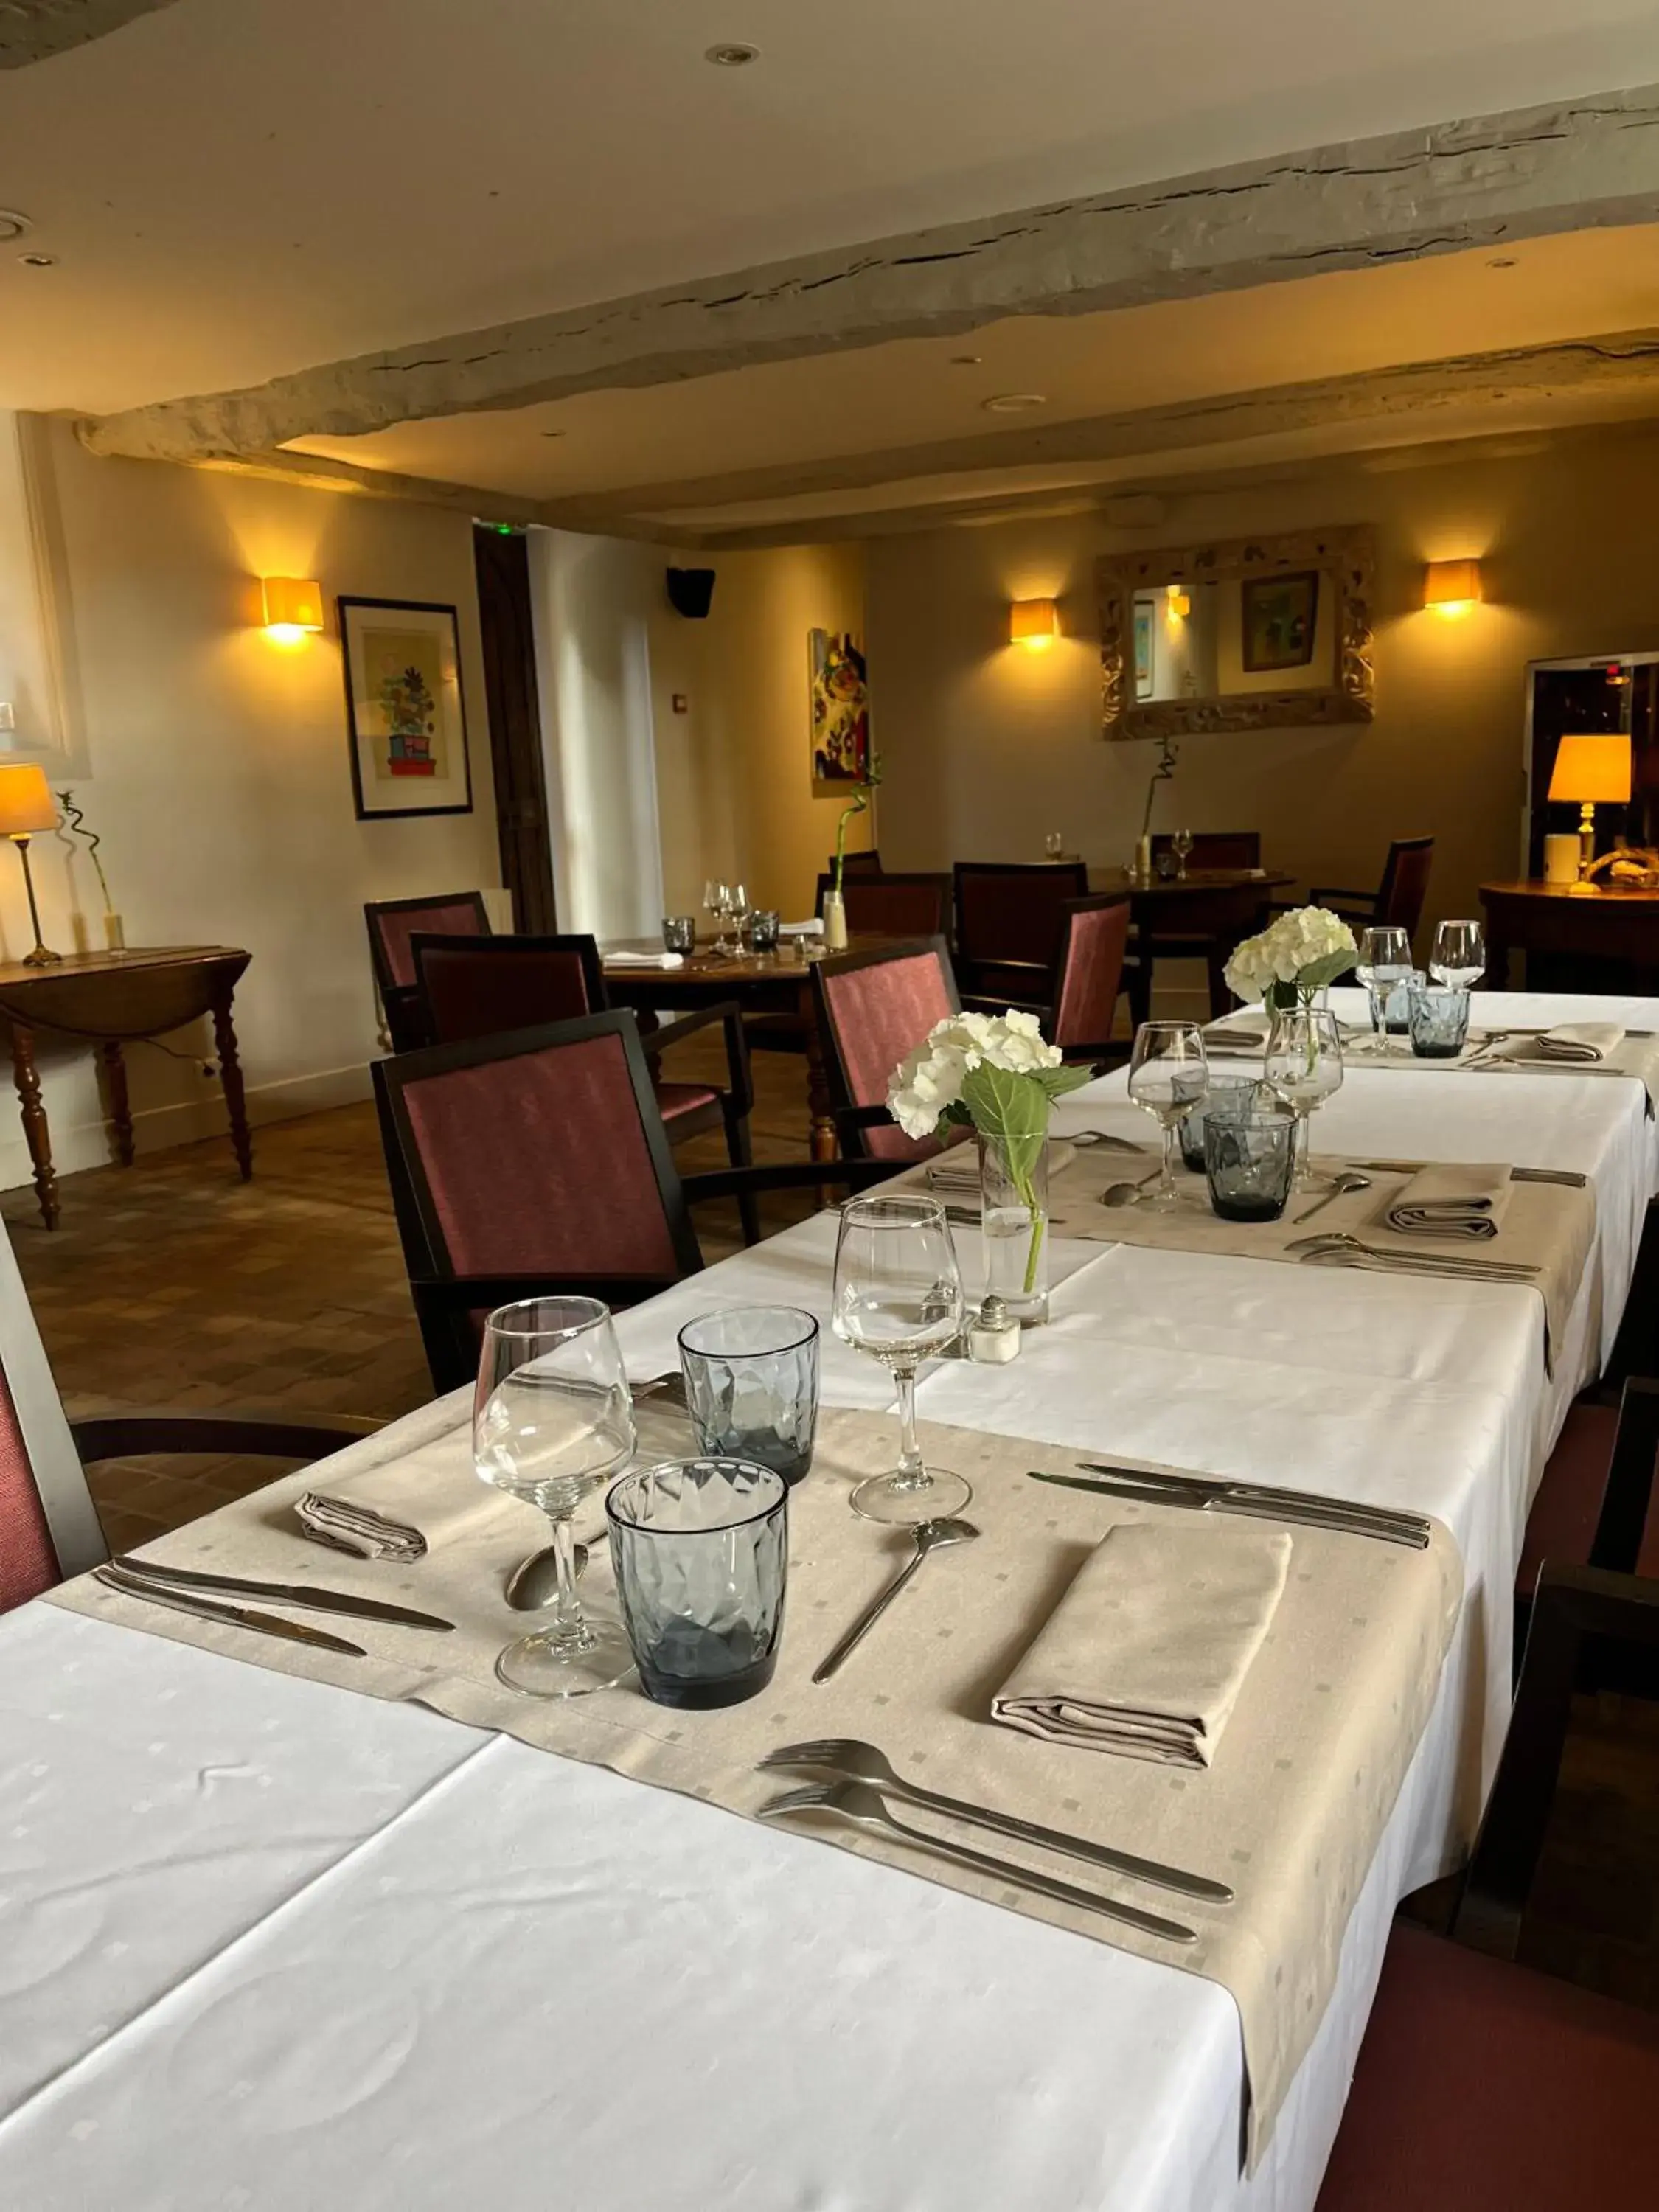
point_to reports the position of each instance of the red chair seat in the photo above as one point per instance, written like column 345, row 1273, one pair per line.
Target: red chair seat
column 1485, row 2087
column 674, row 1099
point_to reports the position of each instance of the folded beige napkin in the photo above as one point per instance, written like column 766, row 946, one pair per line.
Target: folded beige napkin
column 645, row 959
column 1448, row 1201
column 1578, row 1044
column 359, row 1529
column 1148, row 1649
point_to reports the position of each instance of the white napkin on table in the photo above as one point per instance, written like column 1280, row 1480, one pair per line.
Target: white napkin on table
column 645, row 960
column 1148, row 1649
column 1452, row 1201
column 1579, row 1044
column 813, row 928
column 359, row 1529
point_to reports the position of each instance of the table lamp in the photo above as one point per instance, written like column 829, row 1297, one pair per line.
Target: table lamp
column 26, row 805
column 1591, row 772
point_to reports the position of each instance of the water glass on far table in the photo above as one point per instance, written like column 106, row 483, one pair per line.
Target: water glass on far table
column 701, row 1551
column 751, row 1385
column 1303, row 1066
column 1439, row 1021
column 1250, row 1159
column 1181, row 844
column 1459, row 955
column 1384, row 959
column 1169, row 1074
column 717, row 902
column 679, row 932
column 763, row 929
column 898, row 1296
column 552, row 1420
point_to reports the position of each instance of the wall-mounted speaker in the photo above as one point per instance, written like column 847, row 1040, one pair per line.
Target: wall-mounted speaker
column 690, row 592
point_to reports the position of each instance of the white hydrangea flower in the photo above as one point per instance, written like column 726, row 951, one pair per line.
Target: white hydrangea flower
column 1281, row 954
column 929, row 1081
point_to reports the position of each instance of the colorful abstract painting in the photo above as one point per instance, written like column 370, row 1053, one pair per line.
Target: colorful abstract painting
column 838, row 694
column 404, row 705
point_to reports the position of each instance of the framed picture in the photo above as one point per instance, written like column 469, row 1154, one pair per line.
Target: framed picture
column 838, row 692
column 1143, row 649
column 403, row 712
column 1279, row 618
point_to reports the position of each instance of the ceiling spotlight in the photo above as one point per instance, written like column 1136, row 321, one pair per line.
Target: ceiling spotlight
column 552, row 433
column 1501, row 261
column 12, row 225
column 966, row 360
column 39, row 260
column 1014, row 403
column 733, row 54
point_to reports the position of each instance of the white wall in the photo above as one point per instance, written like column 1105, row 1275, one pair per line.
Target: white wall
column 217, row 770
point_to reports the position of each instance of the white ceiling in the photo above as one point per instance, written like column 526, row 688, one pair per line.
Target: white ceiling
column 239, row 188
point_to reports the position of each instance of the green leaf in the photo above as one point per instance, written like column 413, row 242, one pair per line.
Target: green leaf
column 1279, row 998
column 1318, row 973
column 1057, row 1081
column 1013, row 1110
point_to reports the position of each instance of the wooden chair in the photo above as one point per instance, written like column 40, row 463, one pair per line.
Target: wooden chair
column 1483, row 2085
column 539, row 1162
column 881, row 905
column 1216, row 919
column 393, row 923
column 1008, row 924
column 472, row 988
column 1397, row 902
column 855, row 864
column 1093, row 953
column 1594, row 1507
column 1212, row 848
column 873, row 1008
column 49, row 1527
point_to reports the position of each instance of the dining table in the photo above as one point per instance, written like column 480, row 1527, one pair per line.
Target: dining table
column 265, row 1943
column 1198, row 914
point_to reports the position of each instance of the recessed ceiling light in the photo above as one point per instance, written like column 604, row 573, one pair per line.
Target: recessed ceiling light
column 966, row 360
column 12, row 225
column 39, row 260
column 1502, row 261
column 733, row 54
column 552, row 433
column 1014, row 403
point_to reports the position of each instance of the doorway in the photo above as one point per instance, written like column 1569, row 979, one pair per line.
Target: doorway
column 1592, row 697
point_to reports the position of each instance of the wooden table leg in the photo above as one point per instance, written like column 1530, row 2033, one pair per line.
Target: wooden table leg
column 120, row 1109
column 27, row 1078
column 230, row 1074
column 825, row 1143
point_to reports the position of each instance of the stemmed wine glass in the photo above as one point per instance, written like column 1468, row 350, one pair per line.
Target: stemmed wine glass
column 1385, row 960
column 1169, row 1074
column 1459, row 957
column 1181, row 843
column 737, row 907
column 716, row 898
column 1303, row 1066
column 898, row 1296
column 553, row 1418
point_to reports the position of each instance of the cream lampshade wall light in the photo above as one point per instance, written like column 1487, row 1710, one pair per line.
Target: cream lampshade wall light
column 1452, row 587
column 1590, row 772
column 293, row 606
column 26, row 805
column 1034, row 623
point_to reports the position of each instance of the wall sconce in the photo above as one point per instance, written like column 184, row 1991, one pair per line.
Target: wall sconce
column 1033, row 623
column 1177, row 602
column 294, row 607
column 1451, row 587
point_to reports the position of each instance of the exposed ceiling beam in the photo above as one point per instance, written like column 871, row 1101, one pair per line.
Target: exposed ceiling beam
column 1574, row 166
column 34, row 30
column 317, row 473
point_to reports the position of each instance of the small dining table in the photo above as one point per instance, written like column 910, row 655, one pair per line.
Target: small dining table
column 1201, row 916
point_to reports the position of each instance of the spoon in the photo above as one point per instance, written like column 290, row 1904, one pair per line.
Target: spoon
column 1084, row 1138
column 535, row 1581
column 927, row 1537
column 1125, row 1194
column 1339, row 1188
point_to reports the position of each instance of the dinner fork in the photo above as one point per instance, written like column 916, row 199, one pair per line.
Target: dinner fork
column 860, row 1807
column 851, row 1760
column 1339, row 1240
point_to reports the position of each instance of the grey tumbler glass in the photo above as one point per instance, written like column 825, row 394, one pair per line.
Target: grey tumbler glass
column 752, row 1384
column 700, row 1548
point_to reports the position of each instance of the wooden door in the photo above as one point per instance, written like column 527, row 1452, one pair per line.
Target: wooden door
column 502, row 561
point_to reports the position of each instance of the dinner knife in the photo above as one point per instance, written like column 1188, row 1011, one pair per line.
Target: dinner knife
column 1219, row 1500
column 1569, row 1178
column 1352, row 1509
column 303, row 1594
column 232, row 1616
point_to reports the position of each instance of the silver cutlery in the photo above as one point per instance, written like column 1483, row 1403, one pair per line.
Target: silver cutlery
column 927, row 1537
column 300, row 1594
column 858, row 1804
column 1374, row 1263
column 1338, row 1242
column 1091, row 1139
column 1303, row 1510
column 1125, row 1194
column 1569, row 1177
column 850, row 1760
column 534, row 1582
column 670, row 1387
column 229, row 1616
column 1350, row 1508
column 1341, row 1189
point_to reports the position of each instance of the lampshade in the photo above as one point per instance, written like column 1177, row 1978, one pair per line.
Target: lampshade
column 26, row 805
column 1033, row 621
column 293, row 603
column 1592, row 771
column 1451, row 583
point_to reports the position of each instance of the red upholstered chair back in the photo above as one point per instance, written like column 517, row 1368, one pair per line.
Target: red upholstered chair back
column 1095, row 937
column 880, row 905
column 872, row 1009
column 476, row 986
column 1406, row 883
column 48, row 1529
column 1010, row 911
column 1216, row 849
column 393, row 922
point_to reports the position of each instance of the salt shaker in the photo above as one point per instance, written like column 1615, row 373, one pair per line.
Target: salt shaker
column 993, row 1333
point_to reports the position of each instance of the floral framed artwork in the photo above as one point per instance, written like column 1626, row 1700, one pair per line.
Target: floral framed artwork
column 838, row 691
column 1280, row 619
column 403, row 710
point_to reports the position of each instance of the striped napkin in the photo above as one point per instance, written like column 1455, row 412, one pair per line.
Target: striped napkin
column 1452, row 1201
column 359, row 1529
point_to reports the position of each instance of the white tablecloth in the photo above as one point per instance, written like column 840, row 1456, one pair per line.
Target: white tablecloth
column 263, row 1944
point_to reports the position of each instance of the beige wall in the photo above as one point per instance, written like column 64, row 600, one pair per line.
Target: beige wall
column 216, row 767
column 988, row 746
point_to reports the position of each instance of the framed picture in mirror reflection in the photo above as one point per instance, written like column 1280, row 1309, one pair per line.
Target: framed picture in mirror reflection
column 1280, row 621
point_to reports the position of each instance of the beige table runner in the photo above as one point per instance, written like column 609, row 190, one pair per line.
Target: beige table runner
column 1290, row 1815
column 1635, row 1058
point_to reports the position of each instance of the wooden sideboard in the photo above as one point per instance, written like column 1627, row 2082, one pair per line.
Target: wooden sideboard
column 1595, row 924
column 113, row 998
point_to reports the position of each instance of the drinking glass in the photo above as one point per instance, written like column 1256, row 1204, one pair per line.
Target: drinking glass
column 751, row 1385
column 1169, row 1074
column 1183, row 842
column 1439, row 1021
column 764, row 923
column 552, row 1420
column 701, row 1551
column 1211, row 1093
column 717, row 898
column 1303, row 1066
column 1384, row 959
column 679, row 932
column 1250, row 1159
column 737, row 906
column 1459, row 955
column 898, row 1296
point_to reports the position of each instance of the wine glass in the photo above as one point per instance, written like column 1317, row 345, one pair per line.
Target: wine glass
column 1459, row 957
column 739, row 909
column 1183, row 843
column 1169, row 1074
column 898, row 1296
column 1384, row 961
column 553, row 1418
column 1303, row 1066
column 714, row 901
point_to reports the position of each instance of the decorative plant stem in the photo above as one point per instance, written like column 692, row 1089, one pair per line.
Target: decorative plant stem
column 860, row 806
column 1168, row 754
column 78, row 825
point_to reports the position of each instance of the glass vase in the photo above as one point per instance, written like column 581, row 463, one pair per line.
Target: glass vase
column 835, row 923
column 1014, row 1227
